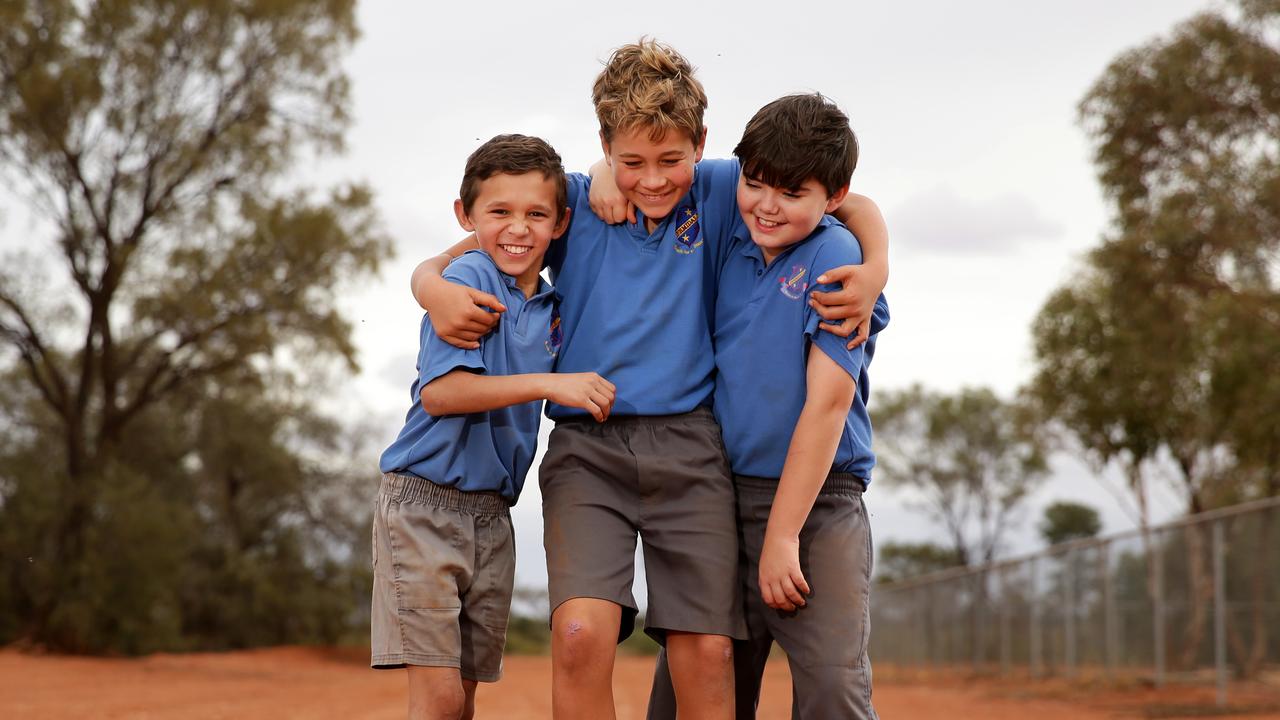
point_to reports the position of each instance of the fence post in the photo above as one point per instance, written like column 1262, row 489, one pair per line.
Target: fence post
column 1110, row 621
column 1069, row 612
column 1220, row 612
column 1006, row 618
column 1037, row 666
column 1157, row 605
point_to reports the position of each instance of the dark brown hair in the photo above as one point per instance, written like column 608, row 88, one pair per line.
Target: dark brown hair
column 798, row 137
column 513, row 155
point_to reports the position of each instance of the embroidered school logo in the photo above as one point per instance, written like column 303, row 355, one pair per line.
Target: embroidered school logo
column 688, row 232
column 556, row 338
column 793, row 283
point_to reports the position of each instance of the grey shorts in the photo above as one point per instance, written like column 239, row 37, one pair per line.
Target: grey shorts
column 443, row 568
column 664, row 479
column 826, row 640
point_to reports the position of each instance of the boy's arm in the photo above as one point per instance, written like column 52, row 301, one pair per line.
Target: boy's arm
column 461, row 391
column 457, row 311
column 861, row 284
column 604, row 197
column 828, row 397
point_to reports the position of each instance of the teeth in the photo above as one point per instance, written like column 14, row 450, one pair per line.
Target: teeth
column 767, row 223
column 515, row 249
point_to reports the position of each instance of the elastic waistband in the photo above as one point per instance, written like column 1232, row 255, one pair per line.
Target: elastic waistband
column 837, row 483
column 407, row 488
column 701, row 413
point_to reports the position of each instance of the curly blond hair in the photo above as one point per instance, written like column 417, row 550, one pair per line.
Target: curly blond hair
column 649, row 84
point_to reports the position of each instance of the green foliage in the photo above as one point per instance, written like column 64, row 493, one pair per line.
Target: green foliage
column 1165, row 347
column 165, row 481
column 897, row 561
column 1064, row 521
column 972, row 457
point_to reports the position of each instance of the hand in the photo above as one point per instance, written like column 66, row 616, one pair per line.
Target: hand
column 587, row 391
column 606, row 200
column 852, row 304
column 782, row 585
column 458, row 316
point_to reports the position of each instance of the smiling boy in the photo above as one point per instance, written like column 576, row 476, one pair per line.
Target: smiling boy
column 637, row 304
column 443, row 553
column 791, row 400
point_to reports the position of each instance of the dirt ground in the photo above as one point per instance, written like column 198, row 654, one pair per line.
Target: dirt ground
column 320, row 683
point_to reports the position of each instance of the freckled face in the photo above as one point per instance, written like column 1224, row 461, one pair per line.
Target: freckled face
column 653, row 175
column 514, row 219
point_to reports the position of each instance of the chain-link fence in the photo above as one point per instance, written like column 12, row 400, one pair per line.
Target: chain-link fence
column 1194, row 600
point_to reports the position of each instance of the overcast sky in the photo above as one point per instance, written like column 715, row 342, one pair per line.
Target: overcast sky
column 966, row 115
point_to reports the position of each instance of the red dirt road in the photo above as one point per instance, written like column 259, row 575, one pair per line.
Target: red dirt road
column 317, row 683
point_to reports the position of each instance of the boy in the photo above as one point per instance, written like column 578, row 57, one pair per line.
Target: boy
column 443, row 552
column 637, row 302
column 800, row 511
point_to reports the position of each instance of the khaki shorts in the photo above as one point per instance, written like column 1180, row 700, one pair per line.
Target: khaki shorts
column 664, row 479
column 826, row 640
column 443, row 568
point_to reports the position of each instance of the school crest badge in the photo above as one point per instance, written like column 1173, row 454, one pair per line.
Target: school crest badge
column 793, row 284
column 688, row 231
column 556, row 336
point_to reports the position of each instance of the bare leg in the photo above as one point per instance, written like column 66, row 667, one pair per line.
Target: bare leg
column 469, row 708
column 702, row 673
column 584, row 638
column 436, row 693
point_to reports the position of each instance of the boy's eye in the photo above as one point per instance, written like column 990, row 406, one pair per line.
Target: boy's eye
column 633, row 164
column 538, row 214
column 752, row 184
column 790, row 195
column 670, row 162
column 498, row 211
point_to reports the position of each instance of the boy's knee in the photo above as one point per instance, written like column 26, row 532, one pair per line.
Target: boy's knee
column 582, row 645
column 711, row 653
column 442, row 702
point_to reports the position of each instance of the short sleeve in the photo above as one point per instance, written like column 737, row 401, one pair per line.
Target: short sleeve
column 838, row 248
column 578, row 185
column 436, row 357
column 716, row 185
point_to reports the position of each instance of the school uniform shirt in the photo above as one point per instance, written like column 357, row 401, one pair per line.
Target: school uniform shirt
column 636, row 306
column 487, row 451
column 765, row 330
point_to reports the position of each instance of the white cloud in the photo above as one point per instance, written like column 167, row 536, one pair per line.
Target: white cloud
column 941, row 220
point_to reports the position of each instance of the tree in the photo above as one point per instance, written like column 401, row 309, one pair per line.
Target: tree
column 1162, row 354
column 1066, row 521
column 899, row 561
column 972, row 458
column 153, row 137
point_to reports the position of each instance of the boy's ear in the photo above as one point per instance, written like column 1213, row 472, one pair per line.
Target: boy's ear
column 562, row 225
column 461, row 214
column 604, row 146
column 835, row 200
column 702, row 145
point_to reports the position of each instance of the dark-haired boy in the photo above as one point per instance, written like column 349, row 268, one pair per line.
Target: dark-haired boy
column 443, row 552
column 791, row 401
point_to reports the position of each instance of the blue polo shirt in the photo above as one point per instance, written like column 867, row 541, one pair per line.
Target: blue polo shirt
column 487, row 451
column 764, row 331
column 636, row 306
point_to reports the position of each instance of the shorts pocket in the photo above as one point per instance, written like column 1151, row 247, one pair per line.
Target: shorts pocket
column 432, row 567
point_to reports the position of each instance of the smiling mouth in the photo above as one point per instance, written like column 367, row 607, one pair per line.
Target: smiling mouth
column 515, row 249
column 767, row 224
column 654, row 197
